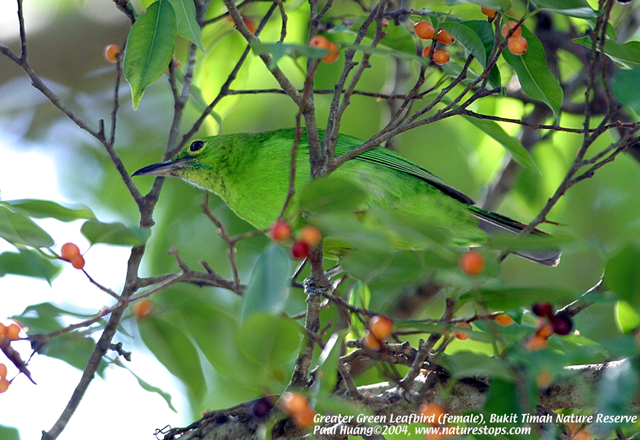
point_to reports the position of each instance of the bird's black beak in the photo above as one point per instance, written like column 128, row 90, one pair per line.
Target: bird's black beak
column 168, row 168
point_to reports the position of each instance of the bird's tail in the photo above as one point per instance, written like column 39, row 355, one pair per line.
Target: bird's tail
column 493, row 224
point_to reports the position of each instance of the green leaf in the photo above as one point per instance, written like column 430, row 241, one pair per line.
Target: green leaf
column 572, row 8
column 625, row 55
column 74, row 348
column 397, row 38
column 188, row 27
column 328, row 363
column 483, row 29
column 268, row 289
column 28, row 263
column 175, row 351
column 622, row 273
column 268, row 340
column 498, row 5
column 150, row 47
column 627, row 318
column 7, row 433
column 113, row 233
column 46, row 317
column 532, row 69
column 513, row 145
column 625, row 88
column 468, row 38
column 509, row 298
column 332, row 194
column 18, row 229
column 469, row 364
column 148, row 387
column 47, row 209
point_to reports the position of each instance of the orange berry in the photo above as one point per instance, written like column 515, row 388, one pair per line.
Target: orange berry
column 12, row 332
column 504, row 320
column 143, row 309
column 461, row 335
column 511, row 25
column 491, row 13
column 536, row 343
column 300, row 250
column 111, row 53
column 78, row 262
column 543, row 379
column 293, row 403
column 517, row 45
column 370, row 342
column 431, row 411
column 250, row 24
column 3, row 330
column 472, row 262
column 545, row 331
column 334, row 53
column 424, row 30
column 440, row 57
column 305, row 418
column 426, row 52
column 4, row 385
column 310, row 235
column 69, row 251
column 381, row 327
column 3, row 371
column 318, row 42
column 280, row 230
column 445, row 37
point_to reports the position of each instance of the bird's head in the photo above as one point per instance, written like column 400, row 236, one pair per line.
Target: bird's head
column 198, row 163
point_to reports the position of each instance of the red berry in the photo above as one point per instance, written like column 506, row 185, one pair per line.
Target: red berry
column 280, row 230
column 542, row 309
column 561, row 324
column 424, row 30
column 111, row 53
column 472, row 262
column 69, row 251
column 445, row 37
column 440, row 57
column 381, row 327
column 506, row 28
column 300, row 250
column 517, row 45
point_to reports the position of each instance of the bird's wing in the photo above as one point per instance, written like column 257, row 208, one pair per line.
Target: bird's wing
column 394, row 161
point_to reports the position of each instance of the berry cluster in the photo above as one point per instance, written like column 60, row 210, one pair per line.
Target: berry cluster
column 309, row 238
column 380, row 328
column 559, row 323
column 71, row 253
column 512, row 31
column 425, row 31
column 9, row 332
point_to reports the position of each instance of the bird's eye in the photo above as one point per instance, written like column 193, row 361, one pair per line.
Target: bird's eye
column 196, row 146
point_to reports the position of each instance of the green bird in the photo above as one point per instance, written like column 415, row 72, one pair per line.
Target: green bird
column 251, row 173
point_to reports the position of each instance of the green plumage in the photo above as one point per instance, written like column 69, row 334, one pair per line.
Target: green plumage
column 250, row 172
